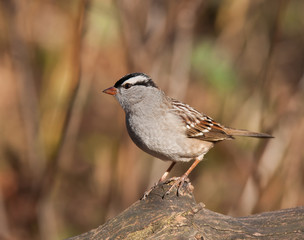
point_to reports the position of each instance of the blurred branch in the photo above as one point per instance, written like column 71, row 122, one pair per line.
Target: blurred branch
column 73, row 112
column 182, row 48
column 37, row 173
column 265, row 166
column 275, row 30
column 28, row 99
column 4, row 229
column 135, row 27
column 160, row 39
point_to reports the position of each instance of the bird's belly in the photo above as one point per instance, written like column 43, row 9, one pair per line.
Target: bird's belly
column 165, row 142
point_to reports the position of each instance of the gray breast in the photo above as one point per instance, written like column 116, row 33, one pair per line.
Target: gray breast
column 162, row 136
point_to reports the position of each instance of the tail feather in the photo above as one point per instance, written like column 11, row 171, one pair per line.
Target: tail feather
column 245, row 133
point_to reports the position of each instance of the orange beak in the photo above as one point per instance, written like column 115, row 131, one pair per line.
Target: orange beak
column 111, row 91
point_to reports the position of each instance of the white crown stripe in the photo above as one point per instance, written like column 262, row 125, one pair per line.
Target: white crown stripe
column 136, row 79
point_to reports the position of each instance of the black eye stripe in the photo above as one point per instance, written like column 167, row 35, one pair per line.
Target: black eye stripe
column 146, row 83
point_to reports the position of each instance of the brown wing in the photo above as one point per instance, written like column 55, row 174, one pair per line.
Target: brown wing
column 199, row 125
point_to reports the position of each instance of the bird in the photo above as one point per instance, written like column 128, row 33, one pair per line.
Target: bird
column 167, row 128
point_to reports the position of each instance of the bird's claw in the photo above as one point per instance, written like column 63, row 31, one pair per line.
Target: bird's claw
column 179, row 183
column 147, row 193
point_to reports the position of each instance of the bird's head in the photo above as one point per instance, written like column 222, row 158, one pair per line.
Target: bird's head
column 132, row 88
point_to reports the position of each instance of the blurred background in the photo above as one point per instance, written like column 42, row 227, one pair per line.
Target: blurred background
column 67, row 163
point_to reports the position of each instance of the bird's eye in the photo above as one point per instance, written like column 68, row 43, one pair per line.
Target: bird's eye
column 127, row 85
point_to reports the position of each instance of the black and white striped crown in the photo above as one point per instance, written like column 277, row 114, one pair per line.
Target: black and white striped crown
column 135, row 79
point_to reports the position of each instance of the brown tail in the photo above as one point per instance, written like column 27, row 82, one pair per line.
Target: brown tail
column 245, row 133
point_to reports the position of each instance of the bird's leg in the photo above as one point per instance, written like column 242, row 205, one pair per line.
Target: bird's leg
column 180, row 181
column 164, row 176
column 162, row 179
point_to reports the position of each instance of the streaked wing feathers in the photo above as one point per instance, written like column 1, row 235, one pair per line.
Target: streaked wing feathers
column 199, row 125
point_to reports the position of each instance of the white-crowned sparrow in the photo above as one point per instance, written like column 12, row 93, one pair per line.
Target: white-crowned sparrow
column 166, row 128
